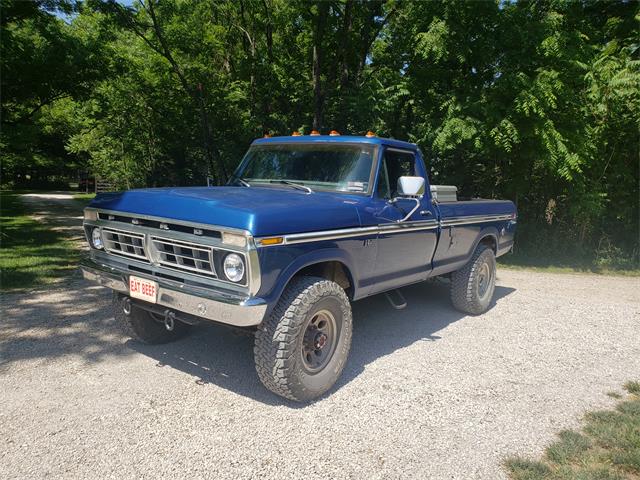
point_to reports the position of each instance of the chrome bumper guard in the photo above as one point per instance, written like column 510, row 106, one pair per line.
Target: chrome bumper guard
column 235, row 310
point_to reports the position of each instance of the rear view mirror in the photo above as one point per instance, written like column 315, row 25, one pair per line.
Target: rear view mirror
column 410, row 186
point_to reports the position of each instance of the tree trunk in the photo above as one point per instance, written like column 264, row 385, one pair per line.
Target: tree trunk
column 318, row 36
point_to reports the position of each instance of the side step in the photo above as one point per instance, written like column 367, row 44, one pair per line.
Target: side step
column 396, row 299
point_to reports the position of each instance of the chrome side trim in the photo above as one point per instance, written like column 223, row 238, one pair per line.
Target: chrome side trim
column 328, row 235
column 474, row 219
column 354, row 232
column 386, row 229
column 408, row 226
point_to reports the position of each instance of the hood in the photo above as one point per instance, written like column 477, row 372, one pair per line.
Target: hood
column 260, row 210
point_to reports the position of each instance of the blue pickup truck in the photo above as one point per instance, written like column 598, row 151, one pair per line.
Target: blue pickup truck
column 306, row 225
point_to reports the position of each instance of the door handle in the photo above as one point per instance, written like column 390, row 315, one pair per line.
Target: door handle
column 425, row 213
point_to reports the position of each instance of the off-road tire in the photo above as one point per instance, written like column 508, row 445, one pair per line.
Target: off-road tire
column 279, row 341
column 141, row 326
column 465, row 283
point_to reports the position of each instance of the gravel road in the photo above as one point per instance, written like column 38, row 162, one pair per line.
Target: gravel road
column 427, row 393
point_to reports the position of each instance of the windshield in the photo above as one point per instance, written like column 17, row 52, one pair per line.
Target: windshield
column 335, row 167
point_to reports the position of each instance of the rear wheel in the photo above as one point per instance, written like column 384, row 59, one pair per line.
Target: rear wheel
column 472, row 286
column 301, row 349
column 144, row 326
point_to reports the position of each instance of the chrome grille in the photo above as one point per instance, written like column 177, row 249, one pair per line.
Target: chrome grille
column 184, row 255
column 124, row 243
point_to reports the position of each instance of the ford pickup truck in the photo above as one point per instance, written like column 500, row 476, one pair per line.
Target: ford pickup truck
column 305, row 226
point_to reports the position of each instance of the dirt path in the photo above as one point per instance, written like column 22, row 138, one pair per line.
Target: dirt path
column 58, row 210
column 427, row 392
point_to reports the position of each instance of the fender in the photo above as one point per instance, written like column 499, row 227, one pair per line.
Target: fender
column 311, row 258
column 485, row 231
column 489, row 231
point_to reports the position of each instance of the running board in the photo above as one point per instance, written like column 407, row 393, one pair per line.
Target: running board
column 398, row 305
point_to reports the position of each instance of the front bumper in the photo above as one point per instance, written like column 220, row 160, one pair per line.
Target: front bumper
column 236, row 310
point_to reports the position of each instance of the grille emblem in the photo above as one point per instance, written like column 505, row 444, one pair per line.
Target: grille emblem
column 135, row 221
column 164, row 226
column 197, row 231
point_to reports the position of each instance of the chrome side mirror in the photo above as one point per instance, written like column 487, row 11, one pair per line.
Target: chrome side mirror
column 410, row 188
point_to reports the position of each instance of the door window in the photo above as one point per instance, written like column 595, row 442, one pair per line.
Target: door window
column 395, row 164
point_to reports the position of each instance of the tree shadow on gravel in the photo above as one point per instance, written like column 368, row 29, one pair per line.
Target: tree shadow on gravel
column 78, row 321
column 213, row 354
column 52, row 323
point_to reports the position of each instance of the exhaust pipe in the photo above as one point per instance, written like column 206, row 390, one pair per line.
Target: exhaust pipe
column 169, row 320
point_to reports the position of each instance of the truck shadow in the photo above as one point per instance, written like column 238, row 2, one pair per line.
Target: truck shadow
column 215, row 355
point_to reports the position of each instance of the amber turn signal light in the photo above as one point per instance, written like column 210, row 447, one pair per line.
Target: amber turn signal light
column 271, row 241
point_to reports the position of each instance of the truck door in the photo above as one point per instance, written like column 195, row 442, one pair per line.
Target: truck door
column 404, row 249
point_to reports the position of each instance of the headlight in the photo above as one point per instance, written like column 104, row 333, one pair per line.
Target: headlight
column 96, row 239
column 233, row 267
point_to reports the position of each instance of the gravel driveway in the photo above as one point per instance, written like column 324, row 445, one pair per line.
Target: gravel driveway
column 427, row 393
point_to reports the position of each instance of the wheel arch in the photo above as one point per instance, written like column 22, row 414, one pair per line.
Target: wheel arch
column 488, row 237
column 333, row 264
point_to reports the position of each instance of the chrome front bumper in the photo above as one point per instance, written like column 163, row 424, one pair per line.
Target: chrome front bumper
column 231, row 309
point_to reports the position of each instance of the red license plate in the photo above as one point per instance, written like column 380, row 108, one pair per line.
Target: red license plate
column 143, row 289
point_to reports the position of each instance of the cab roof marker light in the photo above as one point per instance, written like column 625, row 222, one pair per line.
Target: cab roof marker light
column 314, row 133
column 295, row 134
column 334, row 133
column 370, row 134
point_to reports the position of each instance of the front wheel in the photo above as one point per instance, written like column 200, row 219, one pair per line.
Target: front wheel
column 473, row 285
column 301, row 349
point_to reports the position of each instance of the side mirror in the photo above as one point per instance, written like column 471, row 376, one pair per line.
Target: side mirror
column 410, row 186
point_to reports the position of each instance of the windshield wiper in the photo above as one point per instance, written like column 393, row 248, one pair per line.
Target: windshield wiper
column 293, row 184
column 240, row 180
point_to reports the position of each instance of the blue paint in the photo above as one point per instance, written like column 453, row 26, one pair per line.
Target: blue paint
column 374, row 263
column 268, row 210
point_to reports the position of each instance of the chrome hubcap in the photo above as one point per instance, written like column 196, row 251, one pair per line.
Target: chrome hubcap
column 319, row 341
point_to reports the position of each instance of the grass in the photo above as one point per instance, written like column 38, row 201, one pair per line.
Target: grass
column 608, row 447
column 84, row 196
column 515, row 265
column 32, row 254
column 550, row 263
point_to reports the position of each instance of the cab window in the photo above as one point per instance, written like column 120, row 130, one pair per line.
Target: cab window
column 395, row 164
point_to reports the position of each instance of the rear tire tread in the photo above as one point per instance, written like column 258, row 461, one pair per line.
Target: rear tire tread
column 463, row 282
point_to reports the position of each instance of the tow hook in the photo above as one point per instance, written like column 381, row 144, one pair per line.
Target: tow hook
column 169, row 320
column 126, row 306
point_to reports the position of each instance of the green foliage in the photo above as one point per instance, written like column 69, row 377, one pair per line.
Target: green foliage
column 537, row 102
column 32, row 254
column 608, row 447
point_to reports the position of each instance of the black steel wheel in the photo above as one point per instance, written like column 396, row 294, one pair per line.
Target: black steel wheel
column 319, row 341
column 472, row 286
column 301, row 349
